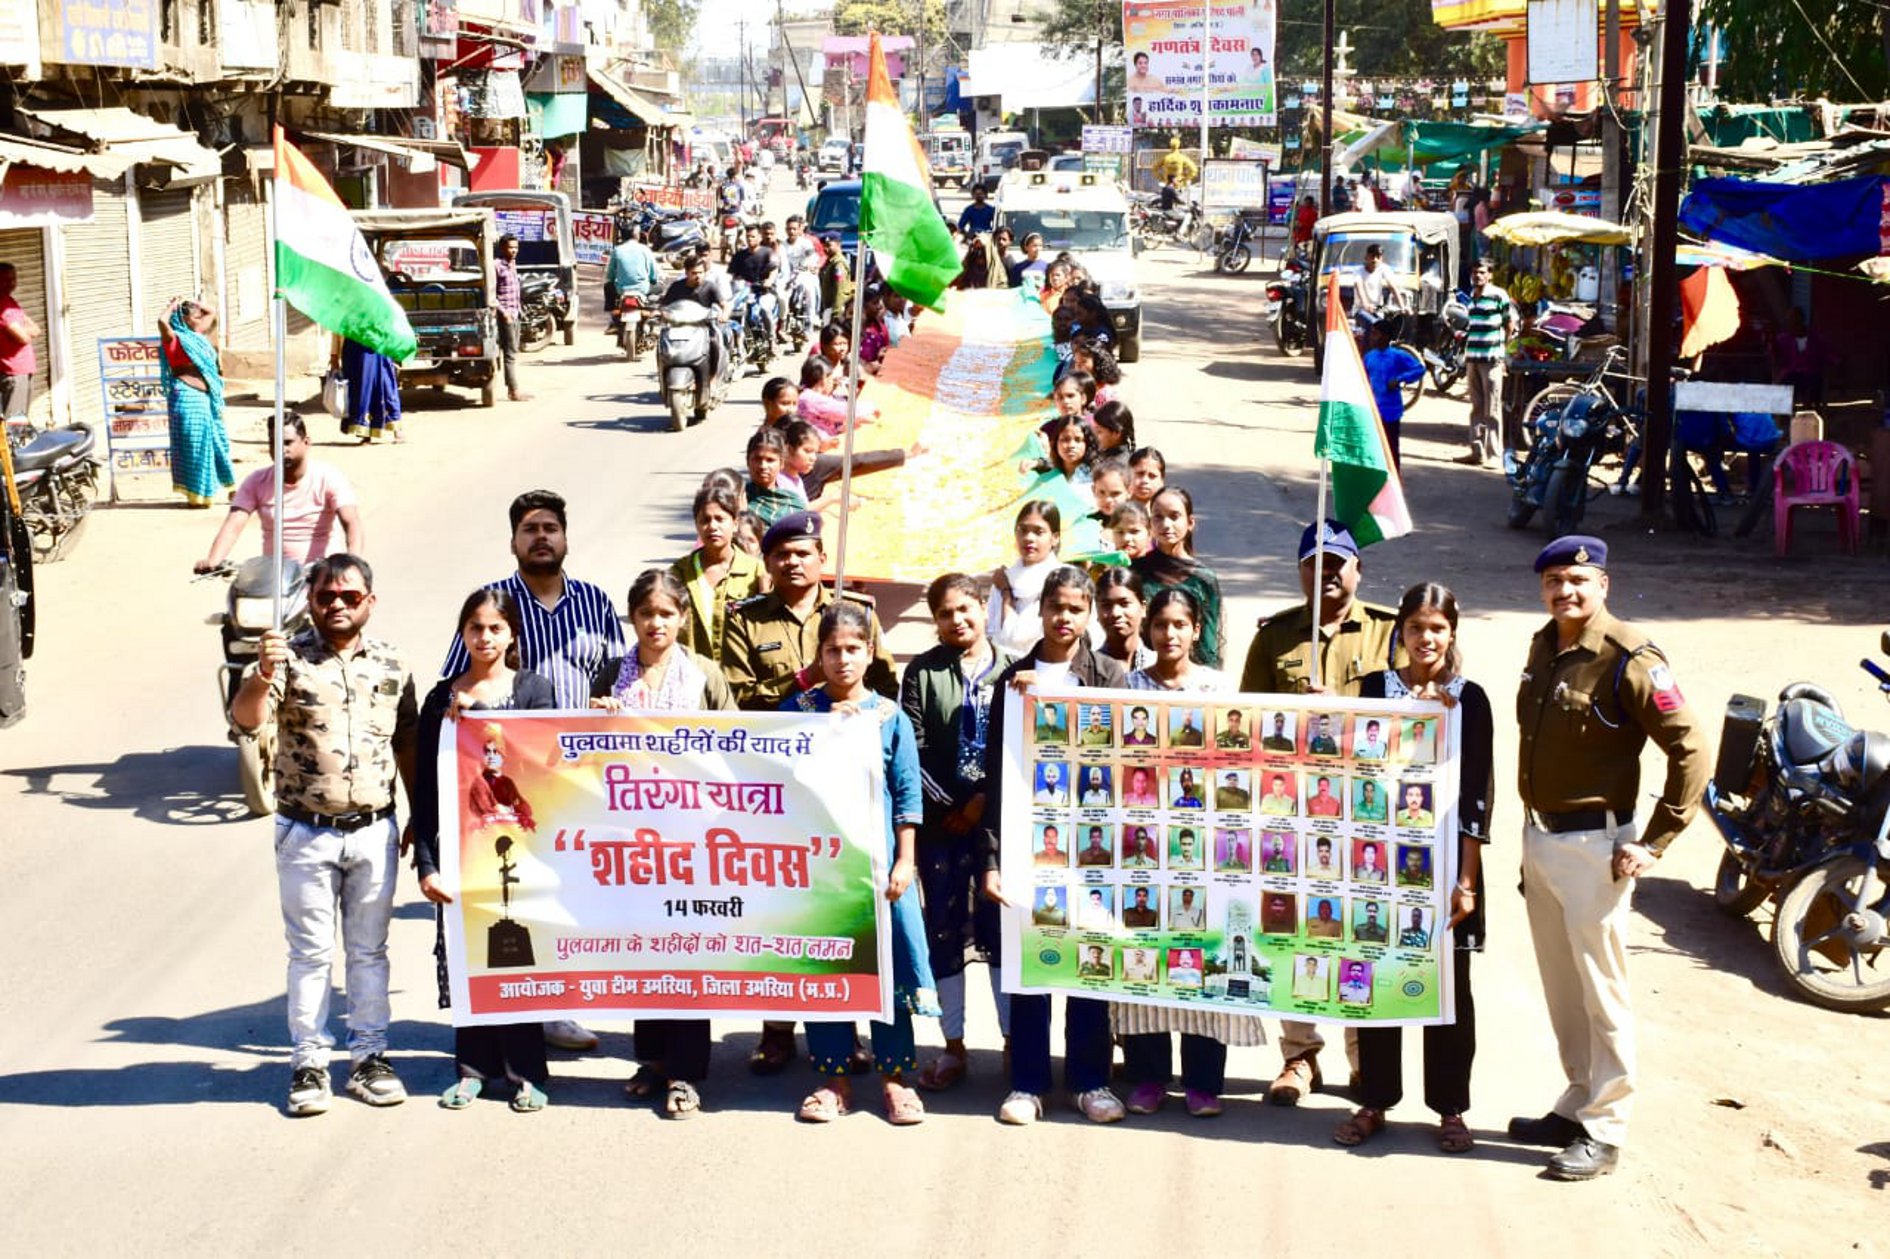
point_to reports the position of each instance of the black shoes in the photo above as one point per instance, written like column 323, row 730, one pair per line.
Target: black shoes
column 1584, row 1159
column 1550, row 1130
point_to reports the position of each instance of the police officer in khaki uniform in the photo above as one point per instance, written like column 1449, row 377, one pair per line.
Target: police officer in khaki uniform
column 1355, row 641
column 1593, row 692
column 771, row 650
column 771, row 647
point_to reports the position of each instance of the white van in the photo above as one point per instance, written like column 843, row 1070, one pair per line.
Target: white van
column 1087, row 215
column 997, row 153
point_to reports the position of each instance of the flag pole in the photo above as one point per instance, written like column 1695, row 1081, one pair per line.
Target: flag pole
column 279, row 320
column 1319, row 566
column 853, row 407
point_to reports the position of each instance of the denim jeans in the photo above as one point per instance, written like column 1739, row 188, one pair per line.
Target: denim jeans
column 331, row 879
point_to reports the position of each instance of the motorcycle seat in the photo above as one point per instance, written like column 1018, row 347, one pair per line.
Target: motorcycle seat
column 49, row 448
column 1809, row 731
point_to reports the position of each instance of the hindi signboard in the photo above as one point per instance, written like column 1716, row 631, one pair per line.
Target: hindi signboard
column 1163, row 39
column 137, row 420
column 594, row 232
column 1279, row 854
column 703, row 865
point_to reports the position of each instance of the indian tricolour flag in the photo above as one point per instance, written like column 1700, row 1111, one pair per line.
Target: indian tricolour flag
column 1367, row 496
column 323, row 265
column 898, row 219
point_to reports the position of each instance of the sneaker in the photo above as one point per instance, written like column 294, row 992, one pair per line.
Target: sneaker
column 309, row 1091
column 374, row 1082
column 1146, row 1099
column 1020, row 1109
column 567, row 1034
column 1100, row 1105
column 1203, row 1105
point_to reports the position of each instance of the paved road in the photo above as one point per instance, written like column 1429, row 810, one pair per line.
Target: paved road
column 144, row 1063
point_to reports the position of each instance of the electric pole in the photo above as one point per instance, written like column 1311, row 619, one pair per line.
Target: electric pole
column 1670, row 161
column 1325, row 117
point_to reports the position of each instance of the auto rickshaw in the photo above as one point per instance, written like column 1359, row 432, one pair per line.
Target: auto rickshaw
column 438, row 265
column 1420, row 247
column 547, row 241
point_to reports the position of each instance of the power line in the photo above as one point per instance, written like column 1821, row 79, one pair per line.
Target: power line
column 1861, row 94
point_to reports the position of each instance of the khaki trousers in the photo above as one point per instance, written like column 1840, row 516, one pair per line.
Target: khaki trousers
column 1578, row 915
column 1299, row 1039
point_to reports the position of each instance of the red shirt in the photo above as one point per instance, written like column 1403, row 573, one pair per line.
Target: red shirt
column 19, row 360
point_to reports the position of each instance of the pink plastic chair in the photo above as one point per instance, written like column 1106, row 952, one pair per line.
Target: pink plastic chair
column 1815, row 474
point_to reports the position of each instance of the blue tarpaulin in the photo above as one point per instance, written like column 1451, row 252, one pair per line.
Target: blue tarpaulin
column 1791, row 222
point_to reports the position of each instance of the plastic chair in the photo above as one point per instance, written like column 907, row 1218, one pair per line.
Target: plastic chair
column 1815, row 474
column 1807, row 426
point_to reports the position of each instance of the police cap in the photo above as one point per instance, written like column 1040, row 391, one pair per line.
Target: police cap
column 1575, row 548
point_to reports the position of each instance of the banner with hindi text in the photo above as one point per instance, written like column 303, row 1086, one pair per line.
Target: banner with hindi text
column 696, row 865
column 1289, row 855
column 1162, row 41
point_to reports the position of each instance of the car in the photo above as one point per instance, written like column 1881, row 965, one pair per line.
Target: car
column 1067, row 162
column 836, row 208
column 1088, row 215
column 833, row 156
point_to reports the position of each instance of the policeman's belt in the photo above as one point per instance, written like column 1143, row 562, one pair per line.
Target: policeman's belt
column 1577, row 820
column 335, row 821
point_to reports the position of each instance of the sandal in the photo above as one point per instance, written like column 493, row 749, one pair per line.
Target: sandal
column 644, row 1083
column 823, row 1105
column 1453, row 1135
column 529, row 1099
column 773, row 1051
column 1363, row 1124
column 682, row 1101
column 461, row 1095
column 903, row 1106
column 942, row 1072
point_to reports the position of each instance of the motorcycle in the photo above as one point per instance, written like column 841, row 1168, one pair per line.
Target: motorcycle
column 55, row 475
column 1234, row 251
column 636, row 326
column 685, row 364
column 1802, row 800
column 1286, row 308
column 248, row 610
column 800, row 174
column 1552, row 475
column 543, row 307
column 1444, row 357
column 756, row 338
column 1156, row 225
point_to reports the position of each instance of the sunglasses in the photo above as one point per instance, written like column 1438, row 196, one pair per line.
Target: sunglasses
column 346, row 598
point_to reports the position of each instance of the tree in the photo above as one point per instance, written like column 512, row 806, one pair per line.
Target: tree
column 672, row 22
column 1801, row 50
column 1090, row 29
column 890, row 17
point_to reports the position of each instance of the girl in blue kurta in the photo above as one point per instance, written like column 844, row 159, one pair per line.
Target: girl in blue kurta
column 846, row 637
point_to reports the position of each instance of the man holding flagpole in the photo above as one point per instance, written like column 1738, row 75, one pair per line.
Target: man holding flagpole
column 1353, row 639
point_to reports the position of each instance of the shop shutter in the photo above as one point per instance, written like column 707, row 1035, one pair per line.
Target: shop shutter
column 167, row 249
column 245, row 304
column 24, row 248
column 98, row 292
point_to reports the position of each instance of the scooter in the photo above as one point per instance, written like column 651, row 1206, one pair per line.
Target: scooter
column 55, row 475
column 685, row 363
column 248, row 610
column 1802, row 801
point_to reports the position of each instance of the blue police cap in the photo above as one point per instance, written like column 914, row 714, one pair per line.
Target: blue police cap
column 800, row 524
column 1339, row 541
column 1576, row 548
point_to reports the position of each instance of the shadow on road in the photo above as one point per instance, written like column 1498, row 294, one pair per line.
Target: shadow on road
column 156, row 786
column 1692, row 926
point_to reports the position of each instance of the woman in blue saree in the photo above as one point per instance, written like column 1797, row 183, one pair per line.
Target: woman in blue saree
column 193, row 391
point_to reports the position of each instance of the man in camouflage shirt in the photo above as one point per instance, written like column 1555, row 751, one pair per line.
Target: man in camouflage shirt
column 344, row 713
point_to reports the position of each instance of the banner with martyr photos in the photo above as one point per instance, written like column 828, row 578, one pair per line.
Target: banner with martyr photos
column 1285, row 854
column 690, row 865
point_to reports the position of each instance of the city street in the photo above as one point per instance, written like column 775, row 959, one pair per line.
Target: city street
column 145, row 1061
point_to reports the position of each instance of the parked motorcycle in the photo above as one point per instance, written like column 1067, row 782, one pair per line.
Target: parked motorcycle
column 1286, row 308
column 248, row 610
column 1802, row 800
column 1444, row 356
column 56, row 477
column 1234, row 251
column 544, row 306
column 685, row 364
column 636, row 326
column 1567, row 441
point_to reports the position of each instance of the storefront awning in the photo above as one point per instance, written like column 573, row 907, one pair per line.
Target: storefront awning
column 138, row 139
column 448, row 151
column 635, row 103
column 18, row 151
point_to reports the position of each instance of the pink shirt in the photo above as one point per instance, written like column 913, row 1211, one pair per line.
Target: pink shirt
column 828, row 413
column 309, row 508
column 19, row 360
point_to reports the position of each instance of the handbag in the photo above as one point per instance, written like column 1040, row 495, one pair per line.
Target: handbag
column 335, row 393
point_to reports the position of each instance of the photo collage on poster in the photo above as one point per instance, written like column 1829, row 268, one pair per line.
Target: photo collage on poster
column 1256, row 852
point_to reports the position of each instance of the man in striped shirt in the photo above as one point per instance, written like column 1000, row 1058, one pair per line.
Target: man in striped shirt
column 1492, row 319
column 569, row 629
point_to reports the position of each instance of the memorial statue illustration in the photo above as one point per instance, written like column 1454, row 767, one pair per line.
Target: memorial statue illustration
column 493, row 798
column 508, row 943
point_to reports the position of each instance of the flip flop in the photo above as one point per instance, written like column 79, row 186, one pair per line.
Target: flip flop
column 682, row 1101
column 823, row 1105
column 461, row 1095
column 942, row 1072
column 529, row 1099
column 644, row 1083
